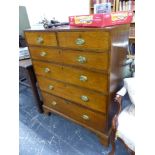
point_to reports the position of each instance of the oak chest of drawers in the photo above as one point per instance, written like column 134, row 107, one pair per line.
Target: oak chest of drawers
column 78, row 71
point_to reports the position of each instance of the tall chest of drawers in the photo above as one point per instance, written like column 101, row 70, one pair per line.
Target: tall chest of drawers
column 78, row 71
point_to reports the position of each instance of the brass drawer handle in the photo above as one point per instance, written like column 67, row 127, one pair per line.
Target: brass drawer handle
column 84, row 98
column 50, row 87
column 82, row 59
column 43, row 54
column 79, row 41
column 85, row 117
column 46, row 70
column 40, row 40
column 83, row 78
column 53, row 103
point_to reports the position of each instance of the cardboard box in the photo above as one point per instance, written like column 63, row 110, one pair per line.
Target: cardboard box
column 102, row 8
column 101, row 20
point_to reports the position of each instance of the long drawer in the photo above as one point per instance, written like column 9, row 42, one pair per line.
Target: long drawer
column 72, row 57
column 96, row 40
column 79, row 77
column 41, row 38
column 87, row 98
column 82, row 115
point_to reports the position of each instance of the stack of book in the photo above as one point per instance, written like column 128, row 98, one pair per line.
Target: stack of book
column 126, row 5
column 103, row 1
column 24, row 53
column 132, row 32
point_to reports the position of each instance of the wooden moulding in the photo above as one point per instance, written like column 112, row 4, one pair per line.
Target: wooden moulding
column 104, row 137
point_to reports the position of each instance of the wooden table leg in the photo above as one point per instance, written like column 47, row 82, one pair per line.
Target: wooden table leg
column 33, row 81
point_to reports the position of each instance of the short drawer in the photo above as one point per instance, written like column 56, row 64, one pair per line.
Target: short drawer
column 83, row 59
column 96, row 40
column 46, row 54
column 84, row 78
column 75, row 112
column 41, row 38
column 87, row 98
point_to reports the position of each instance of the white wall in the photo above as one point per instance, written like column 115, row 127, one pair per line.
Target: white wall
column 60, row 9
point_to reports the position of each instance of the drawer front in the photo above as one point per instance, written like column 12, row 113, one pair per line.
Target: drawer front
column 96, row 40
column 79, row 77
column 46, row 54
column 75, row 112
column 87, row 98
column 41, row 38
column 84, row 59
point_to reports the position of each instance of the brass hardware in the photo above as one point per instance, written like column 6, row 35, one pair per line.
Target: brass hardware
column 50, row 87
column 81, row 59
column 54, row 103
column 84, row 98
column 46, row 70
column 43, row 54
column 40, row 40
column 83, row 78
column 85, row 117
column 79, row 41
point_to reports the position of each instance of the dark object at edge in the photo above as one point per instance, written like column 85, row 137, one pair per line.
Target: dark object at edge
column 50, row 25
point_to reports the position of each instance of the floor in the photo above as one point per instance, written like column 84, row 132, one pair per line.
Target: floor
column 40, row 134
